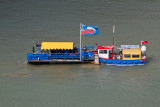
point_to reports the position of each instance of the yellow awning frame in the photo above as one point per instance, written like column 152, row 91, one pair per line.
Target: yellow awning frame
column 57, row 45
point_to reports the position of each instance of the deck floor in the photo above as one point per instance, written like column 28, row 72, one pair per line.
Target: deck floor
column 59, row 60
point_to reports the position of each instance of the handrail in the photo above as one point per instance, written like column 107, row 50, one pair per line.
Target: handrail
column 86, row 56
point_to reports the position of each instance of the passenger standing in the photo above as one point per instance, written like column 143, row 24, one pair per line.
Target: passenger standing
column 96, row 47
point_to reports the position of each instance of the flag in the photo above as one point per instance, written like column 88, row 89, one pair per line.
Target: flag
column 89, row 30
column 144, row 42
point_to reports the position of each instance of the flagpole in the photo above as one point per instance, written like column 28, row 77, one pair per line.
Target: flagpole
column 113, row 40
column 80, row 42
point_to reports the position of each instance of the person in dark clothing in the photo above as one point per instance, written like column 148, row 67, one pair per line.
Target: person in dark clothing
column 75, row 50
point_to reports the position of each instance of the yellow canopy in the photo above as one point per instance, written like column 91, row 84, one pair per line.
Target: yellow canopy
column 57, row 45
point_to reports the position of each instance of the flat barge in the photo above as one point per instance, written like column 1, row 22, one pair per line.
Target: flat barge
column 57, row 52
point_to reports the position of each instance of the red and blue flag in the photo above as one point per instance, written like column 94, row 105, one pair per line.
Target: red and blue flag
column 89, row 30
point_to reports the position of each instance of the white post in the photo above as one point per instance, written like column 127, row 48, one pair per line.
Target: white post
column 80, row 42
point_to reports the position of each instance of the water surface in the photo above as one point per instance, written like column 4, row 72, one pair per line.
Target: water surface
column 78, row 85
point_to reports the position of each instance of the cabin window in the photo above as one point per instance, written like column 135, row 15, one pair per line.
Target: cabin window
column 103, row 51
column 127, row 55
column 135, row 56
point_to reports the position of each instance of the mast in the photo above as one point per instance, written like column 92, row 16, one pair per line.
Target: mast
column 80, row 42
column 113, row 40
column 113, row 35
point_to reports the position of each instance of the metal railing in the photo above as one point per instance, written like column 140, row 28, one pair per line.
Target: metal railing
column 61, row 57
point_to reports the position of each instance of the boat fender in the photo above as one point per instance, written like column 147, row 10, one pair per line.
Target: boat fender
column 38, row 58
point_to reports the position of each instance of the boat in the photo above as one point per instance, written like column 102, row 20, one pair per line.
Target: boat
column 60, row 52
column 66, row 52
column 123, row 55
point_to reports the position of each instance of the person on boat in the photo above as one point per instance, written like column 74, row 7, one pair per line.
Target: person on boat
column 60, row 51
column 63, row 51
column 96, row 47
column 33, row 49
column 85, row 52
column 84, row 49
column 120, row 54
column 75, row 50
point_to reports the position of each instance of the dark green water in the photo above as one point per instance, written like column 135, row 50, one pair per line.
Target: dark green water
column 78, row 85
